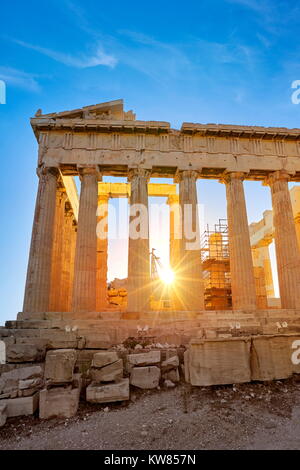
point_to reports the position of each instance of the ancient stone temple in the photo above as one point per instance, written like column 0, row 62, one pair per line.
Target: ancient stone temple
column 66, row 302
column 68, row 262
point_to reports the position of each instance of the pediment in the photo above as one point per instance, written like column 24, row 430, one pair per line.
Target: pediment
column 110, row 110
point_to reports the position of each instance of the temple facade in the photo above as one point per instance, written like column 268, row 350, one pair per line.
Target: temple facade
column 67, row 268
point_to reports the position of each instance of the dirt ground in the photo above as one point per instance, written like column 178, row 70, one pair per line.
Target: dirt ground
column 248, row 416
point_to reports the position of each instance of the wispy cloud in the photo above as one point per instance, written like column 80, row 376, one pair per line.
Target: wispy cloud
column 20, row 79
column 158, row 60
column 99, row 57
column 259, row 6
column 80, row 15
column 155, row 59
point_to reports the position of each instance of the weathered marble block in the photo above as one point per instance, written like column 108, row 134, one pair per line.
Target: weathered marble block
column 10, row 381
column 21, row 406
column 108, row 373
column 103, row 358
column 59, row 365
column 117, row 391
column 59, row 402
column 143, row 359
column 272, row 357
column 24, row 353
column 219, row 361
column 145, row 377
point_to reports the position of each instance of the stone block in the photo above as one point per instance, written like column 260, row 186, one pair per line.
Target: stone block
column 3, row 414
column 9, row 381
column 143, row 359
column 29, row 383
column 145, row 377
column 118, row 391
column 103, row 358
column 38, row 342
column 59, row 402
column 60, row 365
column 271, row 357
column 219, row 361
column 21, row 406
column 24, row 353
column 97, row 341
column 109, row 373
column 59, row 339
column 169, row 364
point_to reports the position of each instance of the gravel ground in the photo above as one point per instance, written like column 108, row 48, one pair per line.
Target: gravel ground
column 248, row 416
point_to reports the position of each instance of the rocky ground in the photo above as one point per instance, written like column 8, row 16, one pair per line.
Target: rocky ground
column 248, row 416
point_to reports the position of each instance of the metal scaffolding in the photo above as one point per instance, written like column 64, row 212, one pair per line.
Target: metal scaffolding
column 216, row 267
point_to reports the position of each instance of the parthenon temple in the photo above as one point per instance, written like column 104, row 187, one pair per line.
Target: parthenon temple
column 217, row 322
column 67, row 269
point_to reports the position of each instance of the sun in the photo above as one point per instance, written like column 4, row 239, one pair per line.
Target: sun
column 167, row 275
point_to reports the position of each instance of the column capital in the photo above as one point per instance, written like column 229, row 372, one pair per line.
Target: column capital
column 104, row 198
column 232, row 175
column 47, row 170
column 173, row 199
column 266, row 241
column 69, row 213
column 280, row 175
column 139, row 172
column 182, row 174
column 87, row 170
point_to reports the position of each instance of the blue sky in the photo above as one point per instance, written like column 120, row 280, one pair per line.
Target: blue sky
column 223, row 61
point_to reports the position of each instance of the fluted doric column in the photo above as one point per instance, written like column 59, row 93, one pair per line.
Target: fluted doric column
column 189, row 282
column 261, row 258
column 286, row 244
column 67, row 254
column 38, row 281
column 241, row 266
column 72, row 263
column 84, row 287
column 173, row 202
column 57, row 258
column 139, row 286
column 297, row 226
column 102, row 252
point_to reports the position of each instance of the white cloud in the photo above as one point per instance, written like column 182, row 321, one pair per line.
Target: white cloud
column 19, row 79
column 99, row 57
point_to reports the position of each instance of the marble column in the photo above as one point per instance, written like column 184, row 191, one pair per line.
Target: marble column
column 261, row 258
column 173, row 202
column 66, row 264
column 102, row 252
column 57, row 258
column 72, row 262
column 189, row 282
column 286, row 244
column 37, row 289
column 139, row 283
column 297, row 225
column 241, row 265
column 84, row 286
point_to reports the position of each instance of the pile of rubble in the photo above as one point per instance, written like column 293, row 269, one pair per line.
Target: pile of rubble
column 99, row 376
column 108, row 384
column 61, row 394
column 55, row 387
